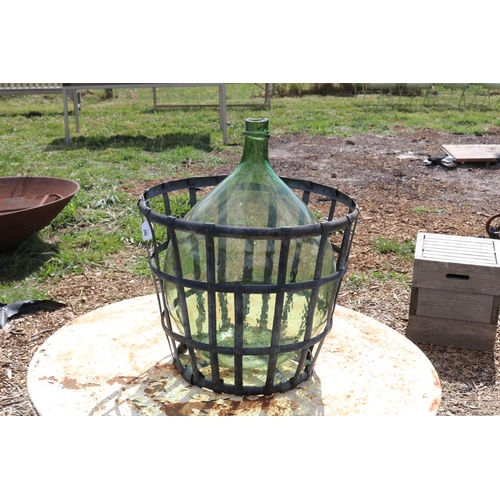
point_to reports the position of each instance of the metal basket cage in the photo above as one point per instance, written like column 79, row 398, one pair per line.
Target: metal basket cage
column 206, row 371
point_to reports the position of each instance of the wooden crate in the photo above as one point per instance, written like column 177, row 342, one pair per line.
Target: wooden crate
column 455, row 295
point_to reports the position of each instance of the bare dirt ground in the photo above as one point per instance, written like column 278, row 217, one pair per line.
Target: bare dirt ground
column 387, row 177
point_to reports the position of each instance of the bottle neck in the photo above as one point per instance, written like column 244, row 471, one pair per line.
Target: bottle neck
column 256, row 145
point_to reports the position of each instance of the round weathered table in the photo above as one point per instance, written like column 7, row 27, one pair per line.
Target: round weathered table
column 116, row 361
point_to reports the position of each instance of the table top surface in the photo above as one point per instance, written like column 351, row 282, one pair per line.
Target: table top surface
column 115, row 361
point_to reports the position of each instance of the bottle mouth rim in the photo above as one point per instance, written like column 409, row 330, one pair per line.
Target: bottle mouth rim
column 257, row 120
column 257, row 127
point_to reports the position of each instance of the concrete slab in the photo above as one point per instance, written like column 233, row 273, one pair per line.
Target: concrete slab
column 115, row 361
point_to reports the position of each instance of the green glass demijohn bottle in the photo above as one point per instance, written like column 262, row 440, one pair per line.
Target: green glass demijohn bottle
column 252, row 196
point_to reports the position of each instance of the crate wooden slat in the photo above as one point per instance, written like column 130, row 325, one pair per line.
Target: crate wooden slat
column 455, row 295
column 460, row 306
column 452, row 333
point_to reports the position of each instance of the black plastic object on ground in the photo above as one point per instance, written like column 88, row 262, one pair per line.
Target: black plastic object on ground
column 7, row 311
column 443, row 161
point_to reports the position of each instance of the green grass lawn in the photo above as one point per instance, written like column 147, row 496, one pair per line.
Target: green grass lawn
column 122, row 142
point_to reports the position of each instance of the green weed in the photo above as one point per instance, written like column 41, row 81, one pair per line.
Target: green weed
column 391, row 246
column 179, row 204
column 390, row 276
column 355, row 280
column 426, row 210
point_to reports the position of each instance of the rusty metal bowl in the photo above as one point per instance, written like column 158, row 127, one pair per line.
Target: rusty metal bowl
column 28, row 204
